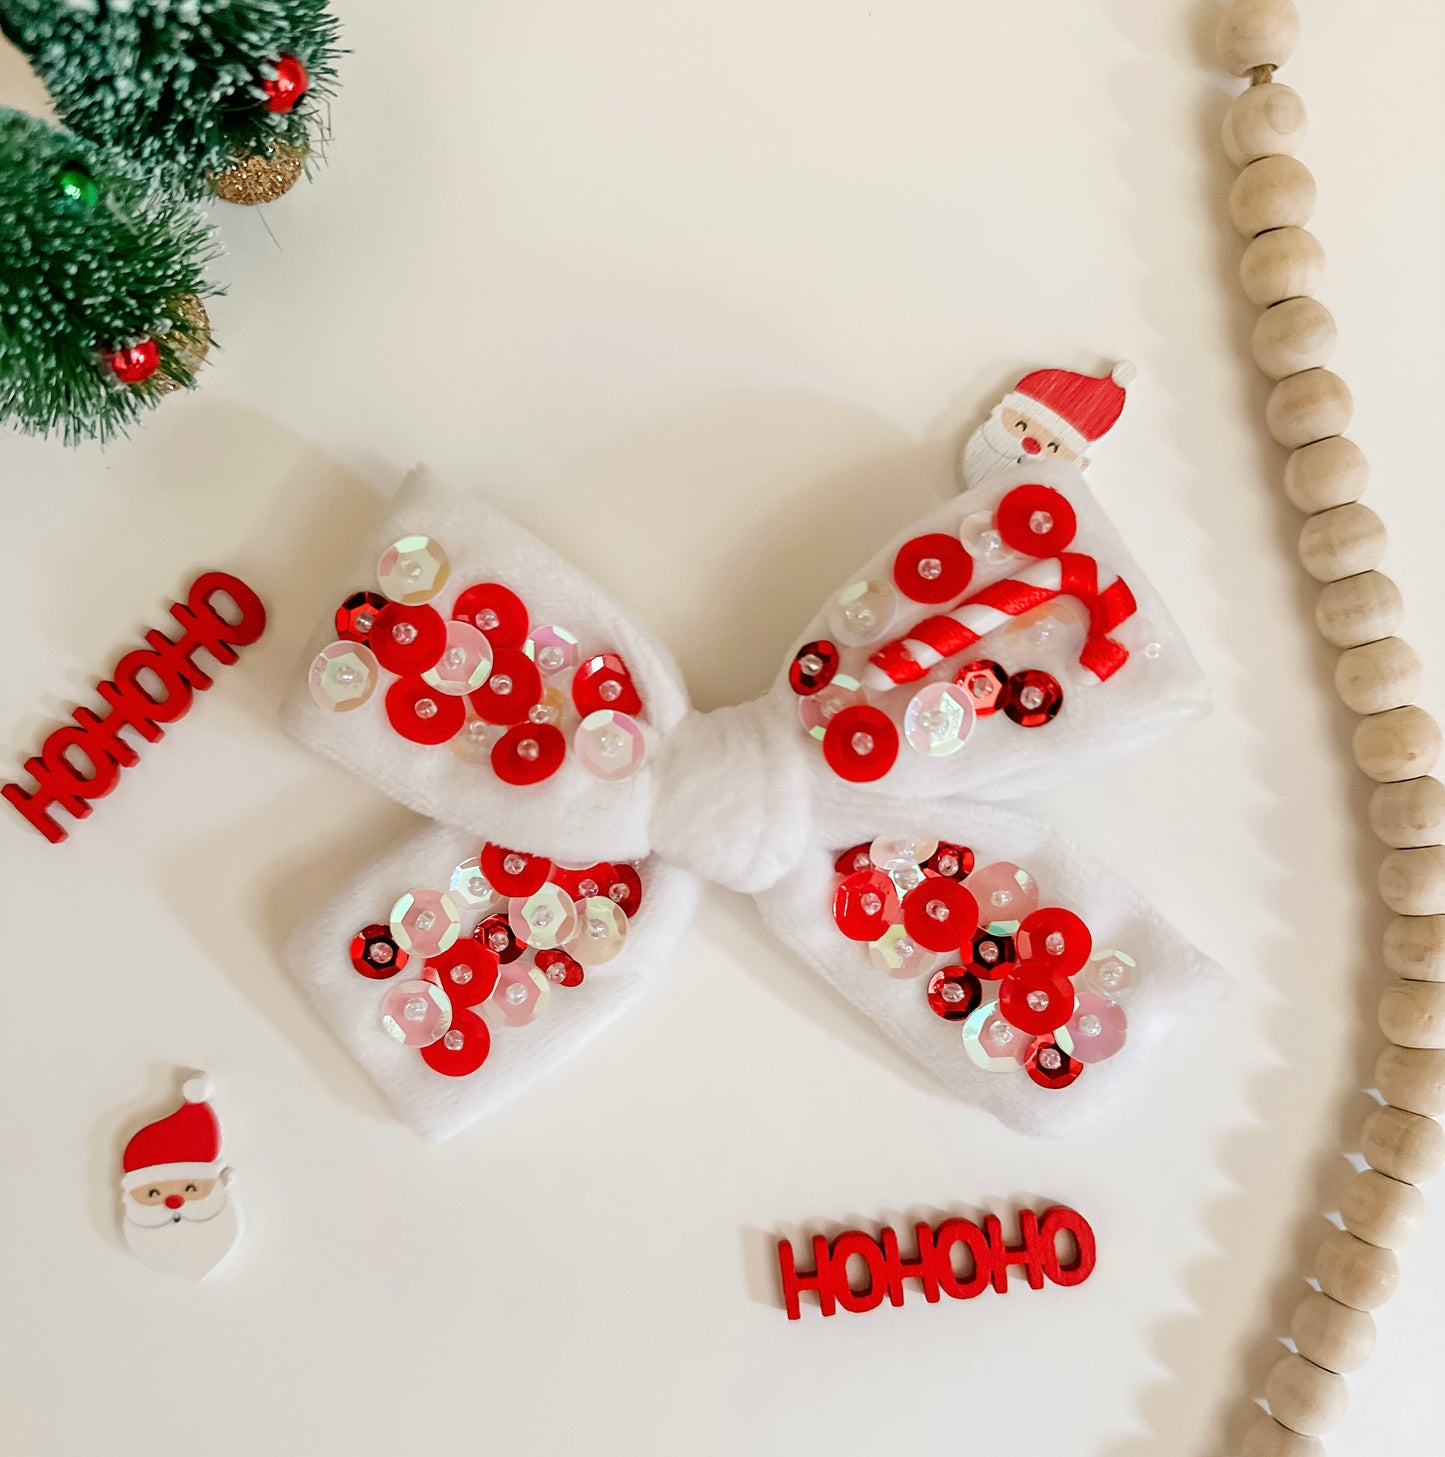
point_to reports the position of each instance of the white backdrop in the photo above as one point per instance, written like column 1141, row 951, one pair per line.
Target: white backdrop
column 706, row 296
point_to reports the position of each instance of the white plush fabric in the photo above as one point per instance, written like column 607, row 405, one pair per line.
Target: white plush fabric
column 743, row 796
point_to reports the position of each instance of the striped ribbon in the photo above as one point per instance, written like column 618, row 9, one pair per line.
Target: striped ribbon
column 1070, row 574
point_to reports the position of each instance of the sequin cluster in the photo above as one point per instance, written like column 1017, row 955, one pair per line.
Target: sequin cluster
column 494, row 686
column 860, row 740
column 507, row 928
column 1027, row 983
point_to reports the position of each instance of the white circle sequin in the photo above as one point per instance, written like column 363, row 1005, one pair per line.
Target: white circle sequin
column 982, row 540
column 861, row 613
column 1110, row 972
column 413, row 570
column 601, row 931
column 610, row 744
column 465, row 663
column 470, row 891
column 938, row 719
column 817, row 709
column 472, row 743
column 554, row 650
column 897, row 953
column 887, row 849
column 544, row 920
column 416, row 1013
column 343, row 676
column 992, row 1043
column 424, row 922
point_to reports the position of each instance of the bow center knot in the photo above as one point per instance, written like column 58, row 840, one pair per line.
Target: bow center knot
column 732, row 796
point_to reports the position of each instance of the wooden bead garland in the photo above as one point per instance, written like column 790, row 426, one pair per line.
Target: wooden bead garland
column 1395, row 743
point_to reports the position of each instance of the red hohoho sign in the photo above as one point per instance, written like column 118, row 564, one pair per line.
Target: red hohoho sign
column 936, row 1267
column 170, row 665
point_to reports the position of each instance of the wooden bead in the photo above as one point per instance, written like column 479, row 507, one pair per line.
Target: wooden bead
column 1413, row 881
column 1403, row 1145
column 1274, row 192
column 1256, row 33
column 1284, row 263
column 1304, row 1397
column 1401, row 743
column 1266, row 1438
column 1377, row 675
column 1332, row 1335
column 1413, row 1078
column 1264, row 121
column 1358, row 609
column 1409, row 814
column 1341, row 542
column 1412, row 1013
column 1308, row 406
column 1360, row 1275
column 1415, row 948
column 1381, row 1211
column 1297, row 334
column 1326, row 473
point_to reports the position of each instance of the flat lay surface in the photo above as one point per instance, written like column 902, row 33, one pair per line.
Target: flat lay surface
column 709, row 301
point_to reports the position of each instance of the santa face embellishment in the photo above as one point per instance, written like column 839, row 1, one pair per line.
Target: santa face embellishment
column 178, row 1207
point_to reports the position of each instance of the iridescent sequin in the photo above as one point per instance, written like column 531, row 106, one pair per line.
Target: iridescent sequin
column 938, row 719
column 424, row 922
column 898, row 954
column 545, row 920
column 464, row 663
column 413, row 569
column 601, row 931
column 862, row 612
column 343, row 675
column 416, row 1013
column 610, row 745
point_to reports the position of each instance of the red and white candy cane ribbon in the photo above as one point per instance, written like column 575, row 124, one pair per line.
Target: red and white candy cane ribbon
column 1070, row 574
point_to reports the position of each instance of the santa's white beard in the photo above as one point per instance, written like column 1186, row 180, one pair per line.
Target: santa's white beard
column 990, row 449
column 191, row 1246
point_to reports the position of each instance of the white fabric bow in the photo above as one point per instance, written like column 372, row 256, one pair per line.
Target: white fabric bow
column 744, row 796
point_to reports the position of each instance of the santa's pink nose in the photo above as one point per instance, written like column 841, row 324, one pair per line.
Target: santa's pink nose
column 1030, row 445
column 174, row 1201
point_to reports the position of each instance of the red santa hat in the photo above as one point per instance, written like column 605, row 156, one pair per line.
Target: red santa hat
column 1078, row 408
column 185, row 1144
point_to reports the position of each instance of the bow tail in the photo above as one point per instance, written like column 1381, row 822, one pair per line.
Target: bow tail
column 1171, row 979
column 524, row 1039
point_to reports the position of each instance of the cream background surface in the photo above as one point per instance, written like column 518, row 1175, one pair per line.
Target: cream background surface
column 707, row 297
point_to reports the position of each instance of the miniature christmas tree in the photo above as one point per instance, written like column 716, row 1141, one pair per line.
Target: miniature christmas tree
column 221, row 96
column 101, row 281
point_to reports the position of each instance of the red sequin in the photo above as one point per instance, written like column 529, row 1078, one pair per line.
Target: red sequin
column 467, row 971
column 496, row 612
column 457, row 1061
column 408, row 639
column 990, row 956
column 986, row 683
column 357, row 616
column 582, row 884
column 513, row 872
column 286, row 88
column 851, row 861
column 423, row 714
column 953, row 993
column 497, row 935
column 529, row 753
column 1033, row 698
column 1050, row 1066
column 933, row 568
column 374, row 953
column 954, row 861
column 940, row 915
column 860, row 743
column 1036, row 520
column 865, row 905
column 604, row 682
column 1055, row 938
column 812, row 668
column 135, row 364
column 626, row 890
column 513, row 670
column 1035, row 999
column 559, row 968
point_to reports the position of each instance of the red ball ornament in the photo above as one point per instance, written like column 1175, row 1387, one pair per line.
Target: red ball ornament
column 860, row 744
column 136, row 364
column 286, row 88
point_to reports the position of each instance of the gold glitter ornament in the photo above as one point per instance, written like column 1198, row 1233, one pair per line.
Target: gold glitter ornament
column 187, row 346
column 257, row 179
